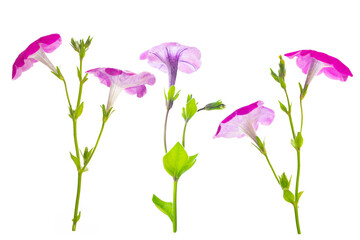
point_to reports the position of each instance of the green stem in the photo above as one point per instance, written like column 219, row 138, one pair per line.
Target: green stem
column 75, row 138
column 174, row 206
column 297, row 218
column 183, row 139
column 302, row 115
column 289, row 114
column 97, row 142
column 76, row 215
column 165, row 126
column 298, row 162
column 81, row 84
column 297, row 192
column 272, row 169
column 67, row 94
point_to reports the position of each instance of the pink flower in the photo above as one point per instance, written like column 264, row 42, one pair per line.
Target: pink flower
column 168, row 57
column 245, row 121
column 36, row 52
column 118, row 80
column 314, row 63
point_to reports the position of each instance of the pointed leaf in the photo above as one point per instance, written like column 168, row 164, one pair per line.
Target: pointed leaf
column 288, row 196
column 183, row 113
column 177, row 161
column 165, row 207
column 79, row 110
column 188, row 165
column 282, row 106
column 276, row 78
column 299, row 140
column 76, row 161
column 171, row 92
column 191, row 108
column 299, row 195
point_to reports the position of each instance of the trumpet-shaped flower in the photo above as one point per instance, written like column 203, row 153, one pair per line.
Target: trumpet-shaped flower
column 36, row 52
column 169, row 57
column 245, row 121
column 118, row 80
column 314, row 63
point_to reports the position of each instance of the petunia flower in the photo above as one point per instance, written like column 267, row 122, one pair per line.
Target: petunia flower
column 36, row 52
column 118, row 80
column 314, row 63
column 169, row 57
column 245, row 121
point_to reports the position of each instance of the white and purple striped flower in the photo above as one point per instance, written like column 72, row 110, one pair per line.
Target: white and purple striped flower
column 118, row 80
column 169, row 57
column 36, row 52
column 245, row 121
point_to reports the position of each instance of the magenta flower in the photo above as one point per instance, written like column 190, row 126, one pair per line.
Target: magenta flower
column 169, row 57
column 245, row 121
column 36, row 52
column 314, row 63
column 118, row 80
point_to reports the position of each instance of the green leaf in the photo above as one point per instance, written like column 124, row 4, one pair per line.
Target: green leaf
column 299, row 195
column 177, row 161
column 282, row 106
column 166, row 99
column 282, row 83
column 76, row 161
column 183, row 114
column 79, row 73
column 191, row 109
column 273, row 74
column 79, row 110
column 288, row 196
column 299, row 140
column 171, row 92
column 176, row 95
column 165, row 207
column 188, row 165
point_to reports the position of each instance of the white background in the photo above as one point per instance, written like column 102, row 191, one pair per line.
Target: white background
column 230, row 193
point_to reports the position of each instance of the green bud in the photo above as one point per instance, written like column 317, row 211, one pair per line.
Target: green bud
column 284, row 182
column 218, row 105
column 282, row 70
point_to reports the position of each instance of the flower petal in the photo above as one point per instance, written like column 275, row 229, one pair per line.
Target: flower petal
column 24, row 61
column 333, row 67
column 245, row 121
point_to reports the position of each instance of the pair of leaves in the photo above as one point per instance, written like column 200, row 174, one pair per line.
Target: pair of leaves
column 87, row 154
column 165, row 207
column 191, row 108
column 106, row 114
column 75, row 114
column 298, row 142
column 176, row 161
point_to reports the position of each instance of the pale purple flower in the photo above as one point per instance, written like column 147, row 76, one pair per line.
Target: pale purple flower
column 36, row 52
column 314, row 63
column 118, row 80
column 245, row 121
column 169, row 57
